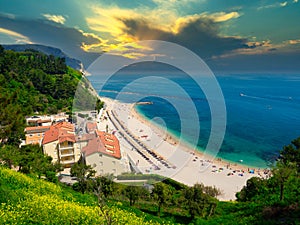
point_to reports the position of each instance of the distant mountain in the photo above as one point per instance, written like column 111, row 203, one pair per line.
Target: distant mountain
column 74, row 63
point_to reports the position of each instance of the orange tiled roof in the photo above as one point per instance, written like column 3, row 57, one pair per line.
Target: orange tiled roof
column 61, row 131
column 110, row 142
column 103, row 143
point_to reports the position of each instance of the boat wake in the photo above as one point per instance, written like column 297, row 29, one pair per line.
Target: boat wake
column 267, row 97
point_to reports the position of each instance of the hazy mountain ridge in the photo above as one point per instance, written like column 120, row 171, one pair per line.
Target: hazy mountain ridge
column 48, row 50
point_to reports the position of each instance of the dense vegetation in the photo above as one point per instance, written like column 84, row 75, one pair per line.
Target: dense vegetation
column 33, row 82
column 26, row 200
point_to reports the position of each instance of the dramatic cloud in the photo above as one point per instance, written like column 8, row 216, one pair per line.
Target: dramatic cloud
column 200, row 34
column 70, row 40
column 55, row 18
column 19, row 38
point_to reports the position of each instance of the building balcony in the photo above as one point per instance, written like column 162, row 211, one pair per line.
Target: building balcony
column 68, row 161
column 62, row 147
column 66, row 154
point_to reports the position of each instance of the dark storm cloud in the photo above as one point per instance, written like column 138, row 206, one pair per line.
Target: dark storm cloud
column 47, row 33
column 200, row 35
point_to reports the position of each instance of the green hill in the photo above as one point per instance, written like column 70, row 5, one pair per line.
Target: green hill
column 26, row 200
column 32, row 82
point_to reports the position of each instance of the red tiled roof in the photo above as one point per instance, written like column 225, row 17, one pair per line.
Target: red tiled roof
column 66, row 138
column 65, row 125
column 94, row 145
column 111, row 143
column 103, row 143
column 61, row 131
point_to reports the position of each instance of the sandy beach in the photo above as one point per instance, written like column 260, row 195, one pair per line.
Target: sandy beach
column 151, row 149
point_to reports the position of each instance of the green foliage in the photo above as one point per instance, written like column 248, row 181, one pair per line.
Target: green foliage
column 30, row 160
column 32, row 82
column 290, row 154
column 283, row 187
column 161, row 193
column 25, row 200
column 99, row 105
column 12, row 120
column 83, row 173
column 279, row 196
column 255, row 186
column 133, row 193
column 199, row 203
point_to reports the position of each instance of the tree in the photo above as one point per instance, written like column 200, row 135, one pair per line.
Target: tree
column 281, row 174
column 194, row 200
column 32, row 160
column 105, row 183
column 12, row 120
column 99, row 105
column 281, row 185
column 104, row 211
column 161, row 193
column 9, row 155
column 82, row 173
column 133, row 193
column 291, row 154
column 253, row 188
column 199, row 203
column 288, row 163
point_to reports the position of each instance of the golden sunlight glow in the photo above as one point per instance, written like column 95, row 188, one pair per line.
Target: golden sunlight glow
column 111, row 23
column 19, row 37
column 55, row 18
column 222, row 16
column 294, row 42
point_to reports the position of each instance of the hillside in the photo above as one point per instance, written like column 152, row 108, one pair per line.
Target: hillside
column 47, row 50
column 25, row 200
column 32, row 82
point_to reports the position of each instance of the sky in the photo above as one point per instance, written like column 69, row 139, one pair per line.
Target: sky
column 229, row 35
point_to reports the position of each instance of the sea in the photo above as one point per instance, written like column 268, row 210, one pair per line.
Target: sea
column 262, row 110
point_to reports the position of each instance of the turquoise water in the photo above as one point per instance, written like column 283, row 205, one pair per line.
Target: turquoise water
column 262, row 110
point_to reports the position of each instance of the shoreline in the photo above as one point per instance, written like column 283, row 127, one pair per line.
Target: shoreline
column 186, row 164
column 200, row 152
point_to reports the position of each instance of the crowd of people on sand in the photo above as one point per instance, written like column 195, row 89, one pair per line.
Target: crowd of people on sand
column 234, row 168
